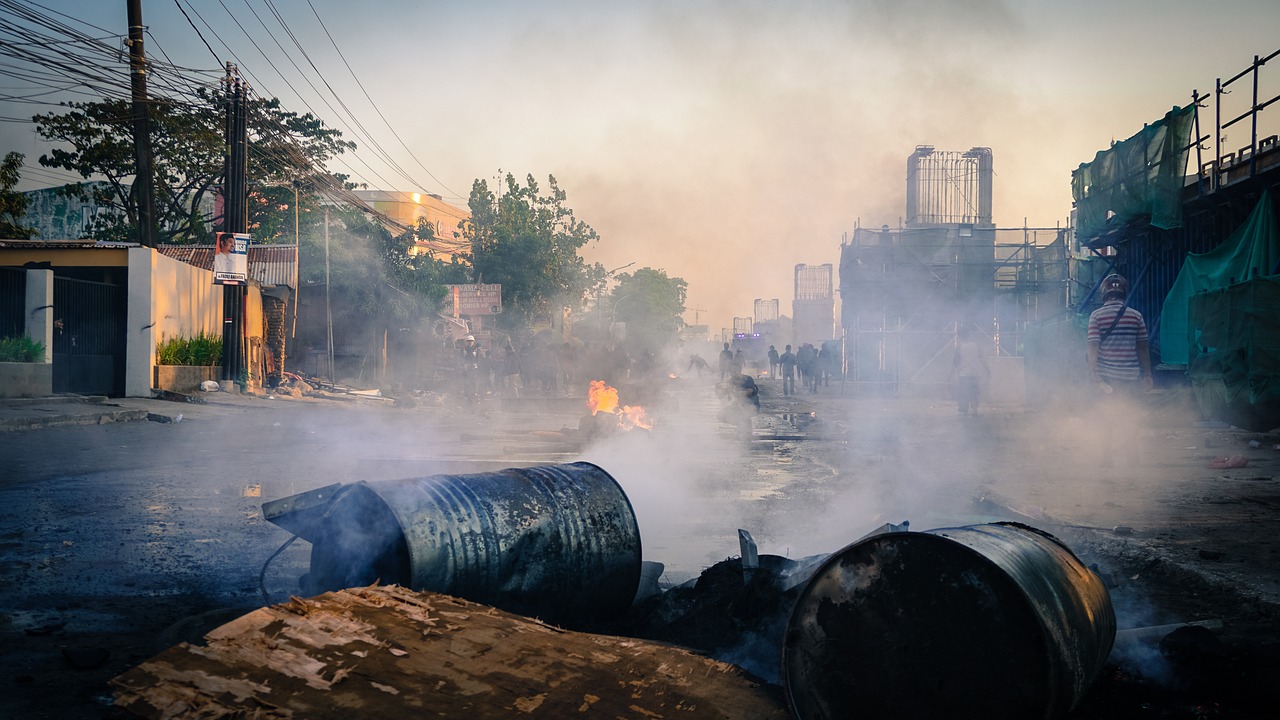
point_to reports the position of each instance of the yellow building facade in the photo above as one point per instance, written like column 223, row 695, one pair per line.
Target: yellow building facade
column 407, row 208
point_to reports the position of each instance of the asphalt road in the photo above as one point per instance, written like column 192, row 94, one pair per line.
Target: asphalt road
column 121, row 539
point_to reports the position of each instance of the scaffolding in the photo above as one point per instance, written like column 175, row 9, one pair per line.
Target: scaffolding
column 1213, row 200
column 813, row 310
column 766, row 310
column 945, row 187
column 904, row 294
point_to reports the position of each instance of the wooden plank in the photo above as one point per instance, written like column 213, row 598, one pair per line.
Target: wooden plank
column 388, row 652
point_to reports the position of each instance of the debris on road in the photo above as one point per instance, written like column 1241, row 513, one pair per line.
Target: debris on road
column 1229, row 463
column 390, row 652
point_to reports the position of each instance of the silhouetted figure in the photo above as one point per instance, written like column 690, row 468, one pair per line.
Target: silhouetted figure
column 969, row 369
column 787, row 364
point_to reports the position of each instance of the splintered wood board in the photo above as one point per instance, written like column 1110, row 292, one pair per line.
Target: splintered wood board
column 388, row 652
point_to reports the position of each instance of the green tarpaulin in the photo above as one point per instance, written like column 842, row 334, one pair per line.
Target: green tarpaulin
column 1253, row 250
column 1138, row 177
column 1235, row 373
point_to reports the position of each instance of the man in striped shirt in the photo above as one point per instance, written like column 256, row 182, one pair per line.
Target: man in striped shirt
column 1119, row 363
column 1117, row 342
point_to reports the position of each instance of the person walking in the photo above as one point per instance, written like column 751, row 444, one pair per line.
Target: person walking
column 470, row 353
column 510, row 369
column 787, row 361
column 1119, row 364
column 968, row 369
column 773, row 361
column 726, row 362
column 806, row 358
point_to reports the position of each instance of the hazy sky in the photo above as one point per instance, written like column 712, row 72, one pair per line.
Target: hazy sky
column 725, row 141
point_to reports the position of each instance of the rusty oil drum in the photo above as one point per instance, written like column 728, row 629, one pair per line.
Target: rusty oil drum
column 556, row 542
column 985, row 621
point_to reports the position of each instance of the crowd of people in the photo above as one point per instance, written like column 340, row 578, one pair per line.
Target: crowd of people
column 543, row 366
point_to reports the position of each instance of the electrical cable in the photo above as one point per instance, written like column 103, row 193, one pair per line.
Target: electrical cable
column 77, row 63
column 372, row 103
column 262, row 574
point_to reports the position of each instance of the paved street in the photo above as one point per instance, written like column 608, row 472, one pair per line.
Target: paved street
column 122, row 538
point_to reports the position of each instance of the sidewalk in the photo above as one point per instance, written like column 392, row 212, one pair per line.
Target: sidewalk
column 61, row 410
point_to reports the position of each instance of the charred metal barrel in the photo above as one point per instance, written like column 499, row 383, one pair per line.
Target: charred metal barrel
column 986, row 621
column 557, row 542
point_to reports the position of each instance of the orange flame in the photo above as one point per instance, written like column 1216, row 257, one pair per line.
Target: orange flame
column 602, row 397
column 634, row 416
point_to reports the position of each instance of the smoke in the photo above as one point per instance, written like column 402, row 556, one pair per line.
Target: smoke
column 758, row 135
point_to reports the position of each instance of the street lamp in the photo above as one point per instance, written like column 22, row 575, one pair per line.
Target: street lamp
column 613, row 314
column 599, row 289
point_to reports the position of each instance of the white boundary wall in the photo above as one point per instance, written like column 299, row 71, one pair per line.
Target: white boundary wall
column 167, row 298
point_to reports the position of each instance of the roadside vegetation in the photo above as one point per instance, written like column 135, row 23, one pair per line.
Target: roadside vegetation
column 21, row 349
column 201, row 350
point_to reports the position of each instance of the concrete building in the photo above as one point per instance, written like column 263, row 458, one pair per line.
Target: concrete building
column 100, row 309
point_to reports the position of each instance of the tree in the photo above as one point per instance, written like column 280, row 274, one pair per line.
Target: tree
column 380, row 280
column 528, row 243
column 651, row 304
column 381, row 294
column 13, row 204
column 188, row 141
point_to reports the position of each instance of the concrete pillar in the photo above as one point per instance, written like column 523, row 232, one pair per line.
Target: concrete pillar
column 140, row 338
column 39, row 304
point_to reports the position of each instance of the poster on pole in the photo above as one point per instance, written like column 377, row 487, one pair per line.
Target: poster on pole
column 476, row 299
column 231, row 259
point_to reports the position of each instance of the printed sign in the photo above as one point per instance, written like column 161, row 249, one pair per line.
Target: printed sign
column 476, row 299
column 231, row 259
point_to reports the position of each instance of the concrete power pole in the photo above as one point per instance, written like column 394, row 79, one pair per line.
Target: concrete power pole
column 235, row 219
column 141, row 129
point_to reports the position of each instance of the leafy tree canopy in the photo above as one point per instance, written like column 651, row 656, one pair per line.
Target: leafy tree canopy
column 528, row 242
column 13, row 204
column 651, row 304
column 188, row 146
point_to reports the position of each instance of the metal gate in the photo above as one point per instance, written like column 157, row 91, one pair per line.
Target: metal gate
column 88, row 337
column 13, row 302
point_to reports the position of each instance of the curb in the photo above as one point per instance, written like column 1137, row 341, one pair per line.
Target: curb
column 100, row 418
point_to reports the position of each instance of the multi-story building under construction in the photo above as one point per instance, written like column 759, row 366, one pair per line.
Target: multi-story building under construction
column 905, row 291
column 813, row 312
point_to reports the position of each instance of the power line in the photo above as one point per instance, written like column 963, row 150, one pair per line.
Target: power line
column 74, row 62
column 198, row 33
column 372, row 103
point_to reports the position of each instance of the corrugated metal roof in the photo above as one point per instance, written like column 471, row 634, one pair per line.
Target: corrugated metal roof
column 268, row 264
column 63, row 244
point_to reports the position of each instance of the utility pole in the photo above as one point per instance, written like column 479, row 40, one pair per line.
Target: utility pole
column 328, row 308
column 297, row 248
column 235, row 219
column 143, row 185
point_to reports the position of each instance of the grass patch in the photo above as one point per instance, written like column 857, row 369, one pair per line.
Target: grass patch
column 202, row 350
column 21, row 349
